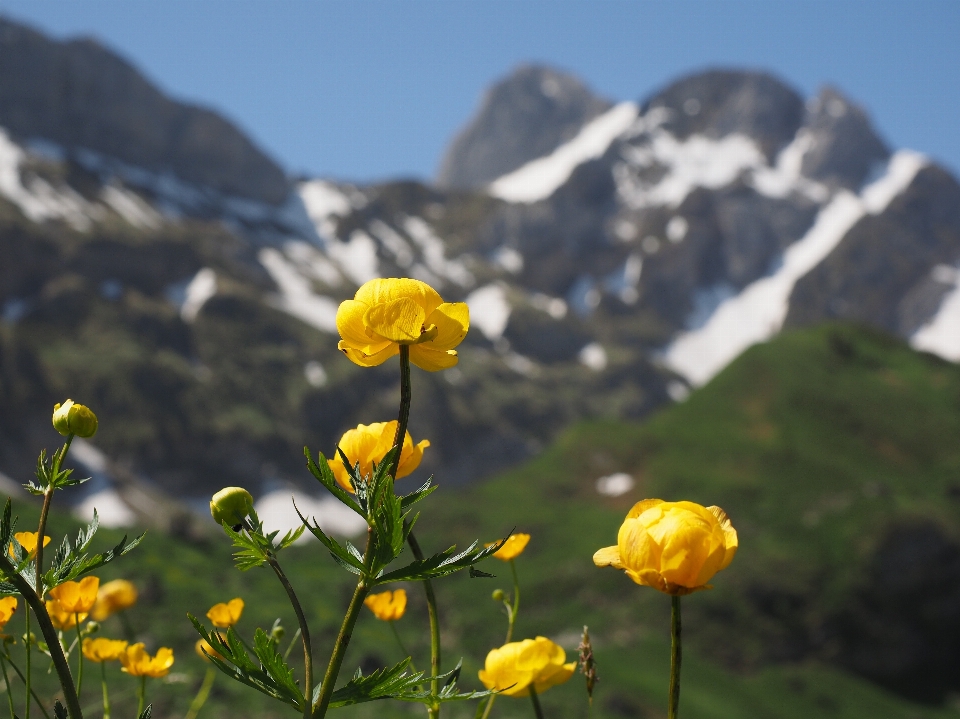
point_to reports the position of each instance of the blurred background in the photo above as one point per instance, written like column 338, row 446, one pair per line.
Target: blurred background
column 711, row 251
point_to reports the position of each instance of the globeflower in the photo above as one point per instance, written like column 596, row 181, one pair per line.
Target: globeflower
column 103, row 650
column 205, row 650
column 225, row 615
column 138, row 663
column 8, row 605
column 28, row 540
column 72, row 418
column 674, row 547
column 61, row 618
column 369, row 443
column 387, row 606
column 76, row 597
column 231, row 505
column 114, row 597
column 515, row 666
column 387, row 313
column 512, row 548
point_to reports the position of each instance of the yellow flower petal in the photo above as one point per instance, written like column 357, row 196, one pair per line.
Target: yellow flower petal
column 411, row 455
column 225, row 615
column 452, row 320
column 369, row 443
column 383, row 290
column 377, row 354
column 512, row 548
column 350, row 324
column 608, row 557
column 432, row 360
column 101, row 650
column 400, row 320
column 387, row 606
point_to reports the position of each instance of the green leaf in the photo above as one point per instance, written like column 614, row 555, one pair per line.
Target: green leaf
column 424, row 491
column 349, row 557
column 272, row 661
column 322, row 472
column 387, row 683
column 251, row 548
column 59, row 710
column 71, row 560
column 147, row 713
column 440, row 564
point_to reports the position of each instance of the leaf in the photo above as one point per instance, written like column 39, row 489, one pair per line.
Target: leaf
column 252, row 551
column 71, row 560
column 350, row 560
column 272, row 661
column 146, row 713
column 387, row 683
column 323, row 474
column 476, row 573
column 440, row 564
column 59, row 710
column 424, row 491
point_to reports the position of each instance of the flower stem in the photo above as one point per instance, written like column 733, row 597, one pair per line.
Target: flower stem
column 675, row 658
column 304, row 633
column 296, row 636
column 537, row 709
column 434, row 711
column 403, row 649
column 106, row 696
column 141, row 695
column 33, row 693
column 28, row 646
column 79, row 656
column 9, row 690
column 50, row 636
column 512, row 610
column 198, row 701
column 339, row 649
column 404, row 416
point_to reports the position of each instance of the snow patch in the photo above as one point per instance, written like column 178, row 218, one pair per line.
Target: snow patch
column 785, row 176
column 941, row 334
column 357, row 257
column 324, row 202
column 277, row 512
column 392, row 240
column 615, row 485
column 296, row 296
column 593, row 356
column 433, row 250
column 489, row 310
column 553, row 306
column 201, row 288
column 131, row 207
column 757, row 313
column 111, row 510
column 315, row 374
column 509, row 259
column 539, row 178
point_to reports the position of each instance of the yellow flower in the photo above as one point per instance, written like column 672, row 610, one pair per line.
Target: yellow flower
column 226, row 615
column 205, row 650
column 72, row 418
column 137, row 662
column 28, row 540
column 8, row 605
column 515, row 666
column 103, row 650
column 77, row 597
column 387, row 606
column 114, row 597
column 675, row 547
column 231, row 505
column 369, row 443
column 61, row 618
column 387, row 313
column 512, row 548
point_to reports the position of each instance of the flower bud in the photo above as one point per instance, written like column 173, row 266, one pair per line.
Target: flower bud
column 277, row 633
column 72, row 418
column 498, row 595
column 92, row 628
column 231, row 505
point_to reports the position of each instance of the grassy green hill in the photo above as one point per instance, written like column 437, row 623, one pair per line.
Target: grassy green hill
column 835, row 452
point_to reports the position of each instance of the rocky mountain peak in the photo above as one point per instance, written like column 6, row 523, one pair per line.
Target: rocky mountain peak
column 81, row 96
column 524, row 116
column 717, row 103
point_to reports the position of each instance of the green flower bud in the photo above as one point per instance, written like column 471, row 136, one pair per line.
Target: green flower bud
column 71, row 418
column 92, row 628
column 231, row 505
column 277, row 633
column 498, row 595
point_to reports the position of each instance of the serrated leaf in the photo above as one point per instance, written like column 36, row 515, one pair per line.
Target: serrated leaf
column 272, row 661
column 440, row 564
column 387, row 683
column 419, row 494
column 351, row 560
column 59, row 710
column 323, row 474
column 147, row 713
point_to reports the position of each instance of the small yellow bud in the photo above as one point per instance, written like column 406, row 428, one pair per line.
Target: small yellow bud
column 72, row 418
column 498, row 595
column 231, row 505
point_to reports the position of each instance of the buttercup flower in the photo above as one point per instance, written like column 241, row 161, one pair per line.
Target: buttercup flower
column 515, row 666
column 387, row 313
column 28, row 540
column 8, row 605
column 61, row 618
column 77, row 597
column 205, row 650
column 73, row 418
column 137, row 662
column 387, row 606
column 512, row 548
column 225, row 615
column 231, row 505
column 369, row 443
column 114, row 597
column 103, row 650
column 675, row 547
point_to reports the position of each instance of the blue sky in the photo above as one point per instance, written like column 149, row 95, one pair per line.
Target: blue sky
column 373, row 89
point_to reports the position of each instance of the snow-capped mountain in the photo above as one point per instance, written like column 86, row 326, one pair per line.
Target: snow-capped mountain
column 163, row 269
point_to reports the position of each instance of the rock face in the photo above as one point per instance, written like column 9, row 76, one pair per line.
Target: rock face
column 523, row 117
column 80, row 95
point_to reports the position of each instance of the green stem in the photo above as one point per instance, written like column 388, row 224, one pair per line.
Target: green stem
column 9, row 689
column 304, row 633
column 198, row 701
column 403, row 649
column 127, row 627
column 339, row 649
column 404, row 416
column 141, row 696
column 106, row 696
column 49, row 635
column 676, row 654
column 44, row 513
column 296, row 636
column 79, row 656
column 33, row 693
column 434, row 710
column 537, row 709
column 29, row 646
column 512, row 610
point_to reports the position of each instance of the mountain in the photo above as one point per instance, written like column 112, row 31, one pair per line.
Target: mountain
column 613, row 256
